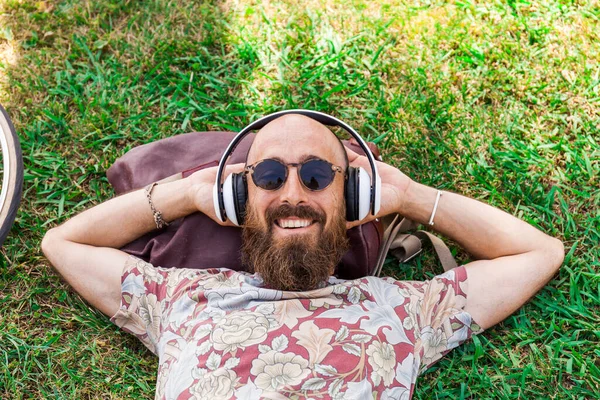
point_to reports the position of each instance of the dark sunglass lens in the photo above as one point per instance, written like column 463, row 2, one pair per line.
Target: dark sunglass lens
column 316, row 174
column 269, row 174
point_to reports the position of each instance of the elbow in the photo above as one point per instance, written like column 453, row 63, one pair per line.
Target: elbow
column 556, row 252
column 50, row 243
column 46, row 246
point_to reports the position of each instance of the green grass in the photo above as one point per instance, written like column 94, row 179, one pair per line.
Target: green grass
column 499, row 101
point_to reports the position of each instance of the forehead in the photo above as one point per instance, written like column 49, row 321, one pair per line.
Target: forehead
column 293, row 137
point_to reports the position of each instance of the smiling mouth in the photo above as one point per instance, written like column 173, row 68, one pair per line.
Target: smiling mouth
column 294, row 223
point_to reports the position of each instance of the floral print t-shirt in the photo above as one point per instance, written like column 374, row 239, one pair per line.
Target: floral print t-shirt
column 220, row 335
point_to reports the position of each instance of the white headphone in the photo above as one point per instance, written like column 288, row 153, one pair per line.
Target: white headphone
column 361, row 193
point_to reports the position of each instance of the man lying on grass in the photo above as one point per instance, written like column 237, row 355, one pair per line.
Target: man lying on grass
column 289, row 329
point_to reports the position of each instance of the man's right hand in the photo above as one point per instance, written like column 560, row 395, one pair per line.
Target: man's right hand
column 201, row 189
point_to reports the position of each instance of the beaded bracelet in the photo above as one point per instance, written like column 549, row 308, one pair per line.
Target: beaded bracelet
column 158, row 220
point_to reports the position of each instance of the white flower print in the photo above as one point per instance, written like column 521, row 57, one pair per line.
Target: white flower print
column 382, row 358
column 248, row 391
column 319, row 297
column 362, row 390
column 213, row 325
column 217, row 385
column 134, row 324
column 218, row 281
column 239, row 330
column 275, row 371
column 407, row 371
column 150, row 310
column 134, row 285
column 181, row 372
column 152, row 274
column 314, row 340
column 176, row 276
column 385, row 293
column 162, row 377
column 287, row 312
column 412, row 311
column 182, row 310
column 377, row 316
column 397, row 393
column 461, row 334
column 432, row 310
column 433, row 342
column 236, row 298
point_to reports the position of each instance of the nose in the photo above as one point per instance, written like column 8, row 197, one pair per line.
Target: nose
column 293, row 192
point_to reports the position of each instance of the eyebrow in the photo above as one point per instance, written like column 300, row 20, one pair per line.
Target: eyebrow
column 303, row 158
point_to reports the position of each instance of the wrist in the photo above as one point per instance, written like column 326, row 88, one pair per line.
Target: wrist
column 192, row 191
column 403, row 187
column 173, row 199
column 418, row 202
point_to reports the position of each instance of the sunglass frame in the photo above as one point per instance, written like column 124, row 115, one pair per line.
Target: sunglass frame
column 334, row 168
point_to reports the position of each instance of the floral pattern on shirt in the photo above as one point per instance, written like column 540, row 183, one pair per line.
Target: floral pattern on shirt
column 220, row 335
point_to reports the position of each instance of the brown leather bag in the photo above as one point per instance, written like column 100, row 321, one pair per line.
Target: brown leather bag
column 196, row 241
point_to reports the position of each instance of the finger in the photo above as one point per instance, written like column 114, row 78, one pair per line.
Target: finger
column 228, row 223
column 352, row 224
column 358, row 161
column 352, row 155
column 234, row 168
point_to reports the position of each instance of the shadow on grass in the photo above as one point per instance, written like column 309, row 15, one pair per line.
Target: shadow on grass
column 87, row 81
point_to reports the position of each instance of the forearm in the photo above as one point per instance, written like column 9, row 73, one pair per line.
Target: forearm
column 484, row 231
column 123, row 219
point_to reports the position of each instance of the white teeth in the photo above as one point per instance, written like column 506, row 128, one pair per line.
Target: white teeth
column 294, row 223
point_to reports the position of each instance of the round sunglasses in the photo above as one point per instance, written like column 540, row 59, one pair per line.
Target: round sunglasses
column 315, row 174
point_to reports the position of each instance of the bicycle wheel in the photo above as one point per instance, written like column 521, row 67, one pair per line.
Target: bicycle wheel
column 11, row 174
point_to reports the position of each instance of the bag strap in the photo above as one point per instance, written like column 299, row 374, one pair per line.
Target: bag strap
column 405, row 246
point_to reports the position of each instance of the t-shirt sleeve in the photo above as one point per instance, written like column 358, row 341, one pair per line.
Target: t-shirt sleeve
column 146, row 292
column 436, row 309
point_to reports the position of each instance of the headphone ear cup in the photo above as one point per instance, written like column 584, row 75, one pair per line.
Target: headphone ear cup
column 234, row 190
column 240, row 191
column 352, row 194
column 363, row 192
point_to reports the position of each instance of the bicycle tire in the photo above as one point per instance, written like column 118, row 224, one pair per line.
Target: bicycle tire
column 12, row 182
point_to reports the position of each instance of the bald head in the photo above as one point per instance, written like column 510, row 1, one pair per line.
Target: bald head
column 294, row 136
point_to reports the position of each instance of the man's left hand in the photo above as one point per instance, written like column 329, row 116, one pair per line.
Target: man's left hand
column 394, row 185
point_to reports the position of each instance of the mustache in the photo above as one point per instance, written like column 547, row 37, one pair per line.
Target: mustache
column 287, row 210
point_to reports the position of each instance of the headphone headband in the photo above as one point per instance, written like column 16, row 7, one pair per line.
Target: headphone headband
column 323, row 118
